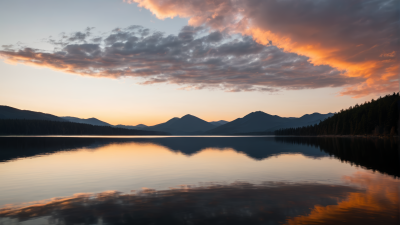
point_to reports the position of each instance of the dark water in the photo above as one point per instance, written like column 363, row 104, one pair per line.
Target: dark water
column 199, row 180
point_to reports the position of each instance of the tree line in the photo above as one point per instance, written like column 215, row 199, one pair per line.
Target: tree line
column 376, row 117
column 48, row 127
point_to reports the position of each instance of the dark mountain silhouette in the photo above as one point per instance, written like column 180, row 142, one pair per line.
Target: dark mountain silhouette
column 219, row 123
column 253, row 122
column 91, row 121
column 188, row 124
column 7, row 112
column 263, row 122
column 48, row 127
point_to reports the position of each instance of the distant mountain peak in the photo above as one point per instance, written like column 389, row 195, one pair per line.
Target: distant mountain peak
column 184, row 125
column 188, row 116
column 257, row 114
column 260, row 113
column 220, row 121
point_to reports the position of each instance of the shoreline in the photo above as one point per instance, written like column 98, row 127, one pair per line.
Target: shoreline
column 342, row 136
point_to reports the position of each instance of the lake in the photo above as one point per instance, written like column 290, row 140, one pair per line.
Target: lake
column 199, row 180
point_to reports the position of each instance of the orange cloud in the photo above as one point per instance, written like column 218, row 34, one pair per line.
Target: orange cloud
column 357, row 37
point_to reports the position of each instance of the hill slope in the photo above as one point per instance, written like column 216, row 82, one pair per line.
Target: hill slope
column 7, row 112
column 47, row 127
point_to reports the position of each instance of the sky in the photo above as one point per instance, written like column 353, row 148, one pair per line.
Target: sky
column 145, row 61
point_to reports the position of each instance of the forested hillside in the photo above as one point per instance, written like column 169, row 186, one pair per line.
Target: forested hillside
column 377, row 117
column 47, row 127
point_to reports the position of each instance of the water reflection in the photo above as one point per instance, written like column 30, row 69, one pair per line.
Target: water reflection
column 255, row 147
column 256, row 180
column 376, row 154
column 369, row 199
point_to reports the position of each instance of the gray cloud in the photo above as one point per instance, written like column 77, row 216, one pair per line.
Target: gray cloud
column 195, row 58
column 350, row 35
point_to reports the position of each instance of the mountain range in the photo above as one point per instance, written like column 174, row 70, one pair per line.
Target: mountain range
column 263, row 122
column 255, row 122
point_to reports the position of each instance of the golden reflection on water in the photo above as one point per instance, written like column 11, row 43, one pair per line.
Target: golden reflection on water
column 379, row 204
column 304, row 185
column 126, row 166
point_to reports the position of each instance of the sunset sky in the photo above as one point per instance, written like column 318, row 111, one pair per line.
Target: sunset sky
column 146, row 61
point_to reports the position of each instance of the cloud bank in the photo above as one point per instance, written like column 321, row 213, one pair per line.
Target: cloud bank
column 357, row 36
column 196, row 58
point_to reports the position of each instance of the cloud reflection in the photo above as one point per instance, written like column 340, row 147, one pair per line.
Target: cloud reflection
column 379, row 204
column 375, row 200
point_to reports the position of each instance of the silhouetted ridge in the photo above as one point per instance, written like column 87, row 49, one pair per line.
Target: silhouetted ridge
column 47, row 127
column 189, row 116
column 188, row 124
column 7, row 112
column 263, row 123
column 92, row 121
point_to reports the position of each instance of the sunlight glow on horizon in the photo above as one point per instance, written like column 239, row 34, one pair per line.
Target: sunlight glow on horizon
column 132, row 104
column 124, row 101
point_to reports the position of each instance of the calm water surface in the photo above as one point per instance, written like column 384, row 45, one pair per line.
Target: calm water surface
column 198, row 180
